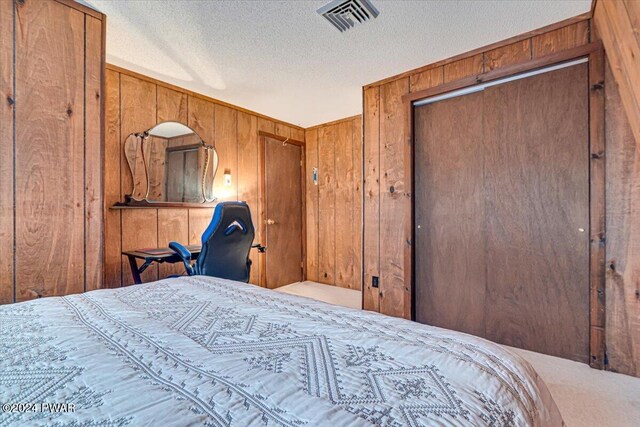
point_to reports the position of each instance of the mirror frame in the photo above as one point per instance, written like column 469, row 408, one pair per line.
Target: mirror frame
column 210, row 157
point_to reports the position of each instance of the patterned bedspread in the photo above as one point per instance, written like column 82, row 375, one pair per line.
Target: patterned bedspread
column 203, row 351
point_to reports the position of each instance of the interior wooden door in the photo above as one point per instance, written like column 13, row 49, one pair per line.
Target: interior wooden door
column 282, row 212
column 502, row 206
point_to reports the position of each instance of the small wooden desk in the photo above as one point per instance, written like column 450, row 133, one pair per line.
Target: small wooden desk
column 151, row 255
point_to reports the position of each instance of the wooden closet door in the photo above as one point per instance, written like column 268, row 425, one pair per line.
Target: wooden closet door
column 449, row 211
column 502, row 213
column 536, row 161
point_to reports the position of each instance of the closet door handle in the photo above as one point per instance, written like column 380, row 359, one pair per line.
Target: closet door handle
column 270, row 222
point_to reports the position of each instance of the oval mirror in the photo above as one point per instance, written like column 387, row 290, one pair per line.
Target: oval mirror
column 170, row 163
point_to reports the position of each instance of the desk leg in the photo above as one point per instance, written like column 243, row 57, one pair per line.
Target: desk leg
column 134, row 270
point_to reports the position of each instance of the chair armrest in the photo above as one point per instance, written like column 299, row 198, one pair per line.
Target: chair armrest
column 184, row 254
column 259, row 247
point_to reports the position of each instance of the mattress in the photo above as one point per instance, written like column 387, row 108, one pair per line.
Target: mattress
column 203, row 351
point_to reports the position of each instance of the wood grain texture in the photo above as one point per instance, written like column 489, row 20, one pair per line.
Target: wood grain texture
column 343, row 208
column 6, row 148
column 199, row 220
column 112, row 189
column 139, row 231
column 265, row 125
column 49, row 257
column 427, row 79
column 298, row 134
column 247, row 178
column 507, row 55
column 395, row 295
column 357, row 208
column 311, row 152
column 173, row 225
column 618, row 24
column 561, row 39
column 623, row 234
column 93, row 150
column 227, row 148
column 450, row 282
column 463, row 68
column 283, row 130
column 371, row 201
column 201, row 118
column 327, row 137
column 536, row 142
column 171, row 106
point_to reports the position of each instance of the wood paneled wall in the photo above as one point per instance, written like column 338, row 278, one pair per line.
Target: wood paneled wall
column 135, row 103
column 617, row 24
column 386, row 242
column 384, row 128
column 51, row 59
column 334, row 206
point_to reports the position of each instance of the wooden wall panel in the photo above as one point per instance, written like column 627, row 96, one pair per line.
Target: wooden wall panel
column 171, row 106
column 201, row 118
column 623, row 234
column 311, row 142
column 173, row 225
column 563, row 38
column 510, row 54
column 326, row 204
column 94, row 224
column 618, row 24
column 384, row 121
column 112, row 184
column 427, row 79
column 395, row 297
column 371, row 201
column 247, row 178
column 356, row 209
column 49, row 189
column 6, row 148
column 283, row 130
column 140, row 102
column 137, row 113
column 463, row 68
column 343, row 208
column 227, row 148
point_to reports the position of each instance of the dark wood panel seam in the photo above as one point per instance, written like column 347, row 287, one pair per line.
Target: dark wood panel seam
column 84, row 155
column 120, row 159
column 15, row 106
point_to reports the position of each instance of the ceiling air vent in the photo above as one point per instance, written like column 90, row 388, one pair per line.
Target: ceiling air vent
column 345, row 14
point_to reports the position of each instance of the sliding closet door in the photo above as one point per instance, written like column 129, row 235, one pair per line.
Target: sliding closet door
column 450, row 263
column 502, row 213
column 536, row 157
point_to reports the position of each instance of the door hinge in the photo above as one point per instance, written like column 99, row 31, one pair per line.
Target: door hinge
column 301, row 264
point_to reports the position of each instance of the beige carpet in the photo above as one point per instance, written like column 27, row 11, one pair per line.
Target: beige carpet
column 586, row 397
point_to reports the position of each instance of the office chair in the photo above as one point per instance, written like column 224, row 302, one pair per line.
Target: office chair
column 225, row 244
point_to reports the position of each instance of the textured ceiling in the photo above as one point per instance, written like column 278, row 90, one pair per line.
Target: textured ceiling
column 281, row 59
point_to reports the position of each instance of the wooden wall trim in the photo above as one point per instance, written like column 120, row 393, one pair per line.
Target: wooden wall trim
column 618, row 24
column 335, row 122
column 82, row 8
column 482, row 50
column 197, row 95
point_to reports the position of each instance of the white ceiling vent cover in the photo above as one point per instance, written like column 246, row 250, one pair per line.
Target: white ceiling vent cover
column 345, row 14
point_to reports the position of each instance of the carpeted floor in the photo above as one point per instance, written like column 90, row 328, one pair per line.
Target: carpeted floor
column 586, row 397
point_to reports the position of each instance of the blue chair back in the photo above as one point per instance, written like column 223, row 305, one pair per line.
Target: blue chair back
column 226, row 243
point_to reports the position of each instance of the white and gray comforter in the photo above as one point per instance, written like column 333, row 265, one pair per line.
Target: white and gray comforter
column 203, row 351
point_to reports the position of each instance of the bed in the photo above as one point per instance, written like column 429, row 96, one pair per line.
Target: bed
column 204, row 351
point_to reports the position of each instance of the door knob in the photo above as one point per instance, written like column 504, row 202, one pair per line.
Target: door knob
column 270, row 222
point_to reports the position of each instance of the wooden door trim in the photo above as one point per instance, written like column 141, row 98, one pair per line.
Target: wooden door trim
column 281, row 138
column 597, row 208
column 262, row 201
